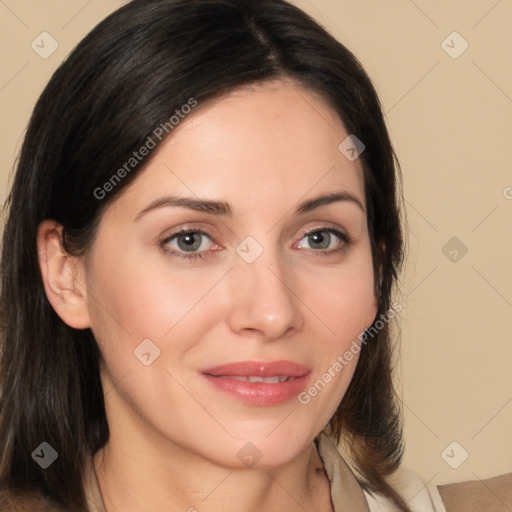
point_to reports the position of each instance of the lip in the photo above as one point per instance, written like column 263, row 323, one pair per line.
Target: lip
column 223, row 378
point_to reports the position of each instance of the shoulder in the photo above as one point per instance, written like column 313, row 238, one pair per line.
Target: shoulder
column 493, row 493
column 420, row 496
column 12, row 500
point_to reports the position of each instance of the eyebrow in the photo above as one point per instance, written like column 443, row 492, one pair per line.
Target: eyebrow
column 224, row 209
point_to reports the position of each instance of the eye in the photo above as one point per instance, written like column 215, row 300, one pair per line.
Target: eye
column 324, row 242
column 185, row 243
column 193, row 243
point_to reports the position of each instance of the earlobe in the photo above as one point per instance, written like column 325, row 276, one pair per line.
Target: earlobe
column 61, row 274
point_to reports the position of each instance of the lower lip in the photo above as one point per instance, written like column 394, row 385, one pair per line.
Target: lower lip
column 260, row 393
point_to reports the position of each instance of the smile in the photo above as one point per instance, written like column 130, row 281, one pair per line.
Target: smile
column 259, row 383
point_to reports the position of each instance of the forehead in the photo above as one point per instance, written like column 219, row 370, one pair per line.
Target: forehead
column 273, row 144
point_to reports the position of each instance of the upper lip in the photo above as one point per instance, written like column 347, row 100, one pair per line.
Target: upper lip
column 258, row 369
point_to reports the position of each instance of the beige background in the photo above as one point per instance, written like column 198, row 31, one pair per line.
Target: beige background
column 451, row 122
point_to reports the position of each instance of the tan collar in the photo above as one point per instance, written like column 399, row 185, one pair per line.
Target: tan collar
column 92, row 489
column 346, row 493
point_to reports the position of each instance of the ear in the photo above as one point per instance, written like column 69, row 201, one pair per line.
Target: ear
column 62, row 276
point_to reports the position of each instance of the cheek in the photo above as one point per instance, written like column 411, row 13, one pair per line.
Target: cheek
column 343, row 304
column 135, row 299
column 132, row 300
column 342, row 298
column 131, row 307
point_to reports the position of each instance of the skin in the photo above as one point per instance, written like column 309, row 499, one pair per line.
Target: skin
column 174, row 438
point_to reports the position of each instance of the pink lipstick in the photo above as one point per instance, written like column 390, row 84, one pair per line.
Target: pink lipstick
column 259, row 382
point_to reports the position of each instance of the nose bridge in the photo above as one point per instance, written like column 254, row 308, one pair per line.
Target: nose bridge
column 263, row 301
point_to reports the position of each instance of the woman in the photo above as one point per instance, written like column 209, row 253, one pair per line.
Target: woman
column 202, row 241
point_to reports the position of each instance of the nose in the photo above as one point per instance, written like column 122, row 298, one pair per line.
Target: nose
column 263, row 302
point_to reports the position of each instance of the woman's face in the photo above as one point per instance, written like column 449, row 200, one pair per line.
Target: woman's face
column 258, row 280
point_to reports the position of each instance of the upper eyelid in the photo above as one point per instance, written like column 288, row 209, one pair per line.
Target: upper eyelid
column 199, row 228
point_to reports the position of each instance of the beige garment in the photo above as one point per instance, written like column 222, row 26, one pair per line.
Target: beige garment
column 346, row 493
column 492, row 495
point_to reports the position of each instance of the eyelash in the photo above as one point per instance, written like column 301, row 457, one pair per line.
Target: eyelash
column 201, row 255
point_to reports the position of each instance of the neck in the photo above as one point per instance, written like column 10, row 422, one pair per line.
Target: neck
column 142, row 471
column 131, row 482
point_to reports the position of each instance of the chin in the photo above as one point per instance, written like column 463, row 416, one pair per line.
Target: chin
column 264, row 449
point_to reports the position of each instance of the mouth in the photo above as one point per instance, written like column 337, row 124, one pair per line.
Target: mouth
column 258, row 382
column 254, row 378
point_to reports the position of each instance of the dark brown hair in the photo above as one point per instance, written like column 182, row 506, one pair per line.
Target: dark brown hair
column 124, row 79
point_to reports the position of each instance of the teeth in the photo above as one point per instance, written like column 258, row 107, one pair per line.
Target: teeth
column 259, row 379
column 253, row 378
